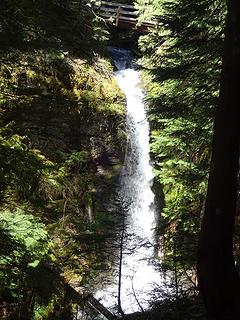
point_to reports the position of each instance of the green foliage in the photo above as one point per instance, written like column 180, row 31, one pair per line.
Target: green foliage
column 26, row 237
column 60, row 109
column 26, row 244
column 29, row 22
column 57, row 177
column 183, row 55
column 149, row 9
column 21, row 167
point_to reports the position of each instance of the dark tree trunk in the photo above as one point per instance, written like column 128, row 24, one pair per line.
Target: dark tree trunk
column 218, row 278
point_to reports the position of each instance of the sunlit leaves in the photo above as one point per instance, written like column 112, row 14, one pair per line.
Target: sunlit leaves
column 24, row 244
column 25, row 237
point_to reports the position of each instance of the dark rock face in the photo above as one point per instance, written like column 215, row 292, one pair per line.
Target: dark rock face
column 57, row 132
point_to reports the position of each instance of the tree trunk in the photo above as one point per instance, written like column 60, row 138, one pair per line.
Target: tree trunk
column 218, row 278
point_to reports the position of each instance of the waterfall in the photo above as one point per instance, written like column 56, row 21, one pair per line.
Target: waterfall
column 138, row 273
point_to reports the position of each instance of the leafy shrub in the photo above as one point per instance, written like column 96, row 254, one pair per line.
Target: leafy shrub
column 26, row 244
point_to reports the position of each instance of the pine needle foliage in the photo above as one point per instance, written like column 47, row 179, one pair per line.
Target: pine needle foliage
column 183, row 56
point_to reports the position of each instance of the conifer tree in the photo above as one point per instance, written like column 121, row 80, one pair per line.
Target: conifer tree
column 218, row 277
column 183, row 52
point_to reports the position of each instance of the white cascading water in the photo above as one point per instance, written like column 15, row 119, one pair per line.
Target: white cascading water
column 138, row 273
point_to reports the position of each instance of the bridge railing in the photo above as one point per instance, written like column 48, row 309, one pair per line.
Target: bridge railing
column 120, row 12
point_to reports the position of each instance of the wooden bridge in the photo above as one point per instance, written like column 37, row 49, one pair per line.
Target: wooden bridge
column 122, row 15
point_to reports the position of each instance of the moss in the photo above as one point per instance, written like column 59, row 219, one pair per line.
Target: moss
column 64, row 126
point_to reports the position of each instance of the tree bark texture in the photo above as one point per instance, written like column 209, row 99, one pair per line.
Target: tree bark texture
column 219, row 282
